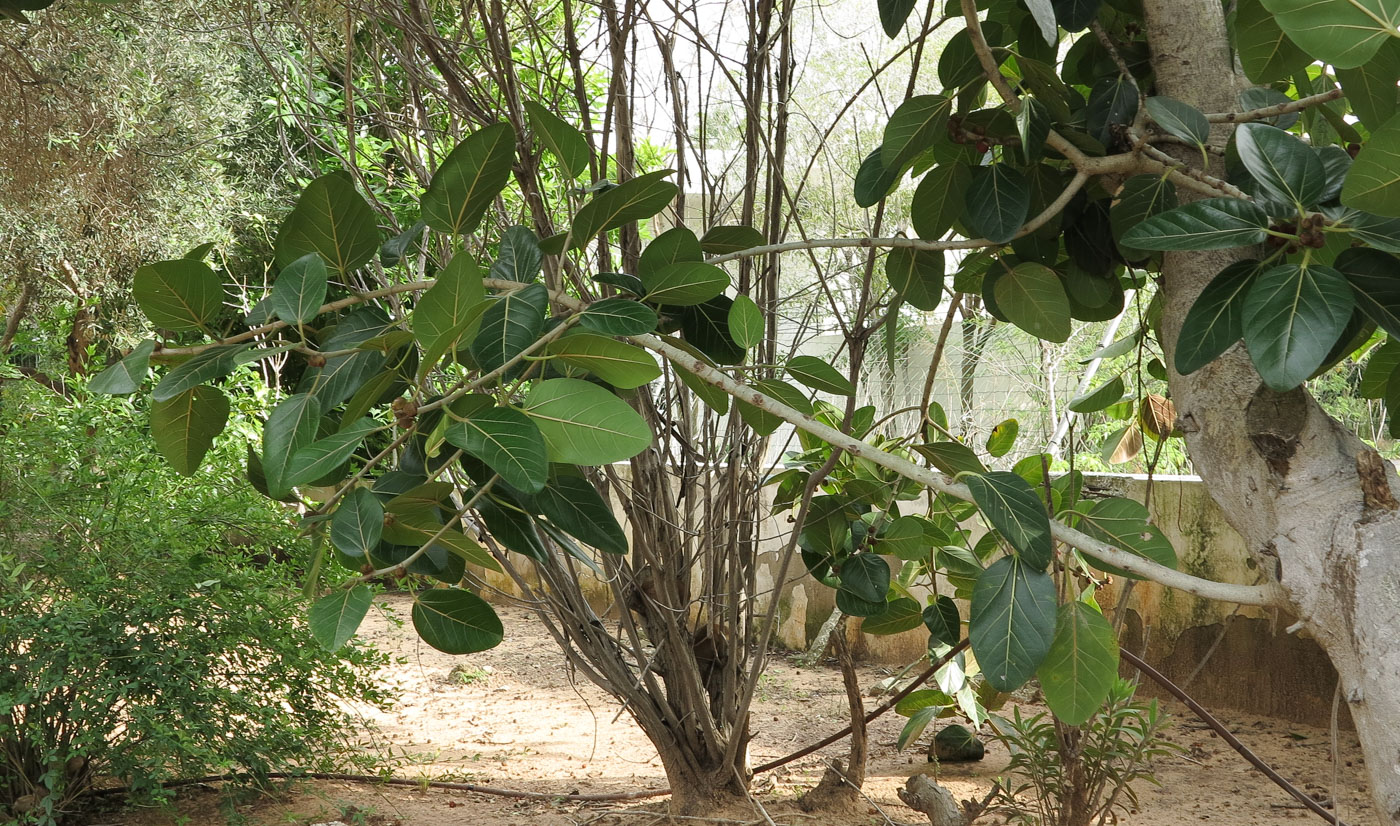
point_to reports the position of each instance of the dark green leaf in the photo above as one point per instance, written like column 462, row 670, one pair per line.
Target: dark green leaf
column 998, row 199
column 900, row 615
column 184, row 427
column 1141, row 197
column 1373, row 182
column 300, row 290
column 684, row 283
column 618, row 317
column 623, row 281
column 1216, row 321
column 674, row 246
column 519, row 256
column 951, row 457
column 343, row 375
column 1012, row 622
column 1032, row 126
column 126, row 376
column 199, row 369
column 469, row 179
column 634, row 200
column 1113, row 102
column 866, row 577
column 723, row 239
column 939, row 199
column 1371, row 87
column 508, row 442
column 943, row 622
column 334, row 619
column 914, row 729
column 358, row 524
column 583, row 424
column 1208, row 224
column 706, row 327
column 819, row 375
column 904, row 538
column 332, row 219
column 713, row 397
column 1014, row 509
column 763, row 422
column 1286, row 169
column 325, row 455
column 915, row 125
column 1380, row 365
column 291, row 427
column 1261, row 97
column 1126, row 525
column 510, row 324
column 893, row 13
column 455, row 621
column 394, row 250
column 916, row 276
column 1265, row 52
column 1345, row 33
column 873, row 180
column 575, row 506
column 1110, row 392
column 183, row 294
column 619, row 364
column 1075, row 15
column 1375, row 283
column 1381, row 233
column 1292, row 317
column 568, row 145
column 1180, row 119
column 1081, row 665
column 1033, row 298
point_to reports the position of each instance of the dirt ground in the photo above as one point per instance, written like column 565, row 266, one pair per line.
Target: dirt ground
column 515, row 717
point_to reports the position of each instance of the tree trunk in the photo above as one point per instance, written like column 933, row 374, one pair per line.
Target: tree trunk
column 1316, row 506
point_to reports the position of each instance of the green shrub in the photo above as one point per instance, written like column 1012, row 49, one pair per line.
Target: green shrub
column 133, row 647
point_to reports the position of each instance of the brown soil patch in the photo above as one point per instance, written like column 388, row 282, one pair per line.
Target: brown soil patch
column 515, row 717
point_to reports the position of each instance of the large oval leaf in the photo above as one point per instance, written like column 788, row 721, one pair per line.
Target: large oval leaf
column 332, row 219
column 184, row 427
column 1265, row 52
column 634, row 200
column 1375, row 283
column 1216, row 321
column 1209, row 224
column 618, row 317
column 183, row 294
column 916, row 276
column 444, row 311
column 1373, row 182
column 583, row 424
column 1127, row 526
column 568, row 145
column 746, row 324
column 1141, row 197
column 998, row 200
column 1081, row 665
column 455, row 621
column 1012, row 621
column 1292, row 317
column 300, row 290
column 126, row 376
column 198, row 369
column 1345, row 33
column 510, row 324
column 469, row 179
column 323, row 456
column 1286, row 169
column 1014, row 509
column 684, row 283
column 518, row 256
column 621, row 365
column 573, row 505
column 291, row 427
column 913, row 128
column 358, row 524
column 900, row 615
column 866, row 576
column 819, row 375
column 727, row 238
column 1033, row 298
column 334, row 619
column 508, row 442
column 939, row 199
column 1180, row 119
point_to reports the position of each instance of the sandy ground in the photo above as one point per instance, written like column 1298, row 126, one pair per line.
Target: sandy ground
column 515, row 717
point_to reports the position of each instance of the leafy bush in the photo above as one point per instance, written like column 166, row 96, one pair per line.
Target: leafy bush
column 134, row 648
column 1071, row 775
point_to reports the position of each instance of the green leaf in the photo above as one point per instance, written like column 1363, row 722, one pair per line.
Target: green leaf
column 621, row 365
column 957, row 62
column 618, row 317
column 684, row 283
column 469, row 179
column 763, row 422
column 519, row 256
column 1345, row 33
column 332, row 219
column 1371, row 87
column 819, row 375
column 198, row 369
column 455, row 621
column 1381, row 233
column 334, row 619
column 1075, row 15
column 916, row 276
column 178, row 295
column 1112, row 102
column 634, row 200
column 1033, row 298
column 1382, row 362
column 1216, row 321
column 1180, row 119
column 126, row 376
column 1033, row 125
column 1013, row 508
column 623, row 281
column 706, row 327
column 904, row 538
column 1292, row 317
column 915, row 125
column 576, row 507
column 1012, row 622
column 722, row 239
column 866, row 577
column 1141, row 197
column 873, row 180
column 998, row 199
column 567, row 144
column 1374, row 277
column 893, row 13
column 510, row 324
column 673, row 246
column 713, row 397
column 746, row 322
column 902, row 614
column 942, row 620
column 325, row 455
column 300, row 290
column 358, row 524
column 915, row 727
column 1208, row 224
column 1261, row 97
column 1081, row 665
column 1002, row 437
column 1043, row 11
column 1373, row 182
column 939, row 199
column 1286, row 168
column 184, row 427
column 1265, row 52
column 442, row 314
column 951, row 457
column 1108, row 393
column 508, row 442
column 1126, row 525
column 343, row 375
column 583, row 424
column 291, row 427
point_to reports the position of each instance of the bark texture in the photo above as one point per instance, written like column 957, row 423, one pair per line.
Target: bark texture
column 1316, row 505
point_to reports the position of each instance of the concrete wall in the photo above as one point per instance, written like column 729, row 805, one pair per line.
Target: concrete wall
column 1225, row 656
